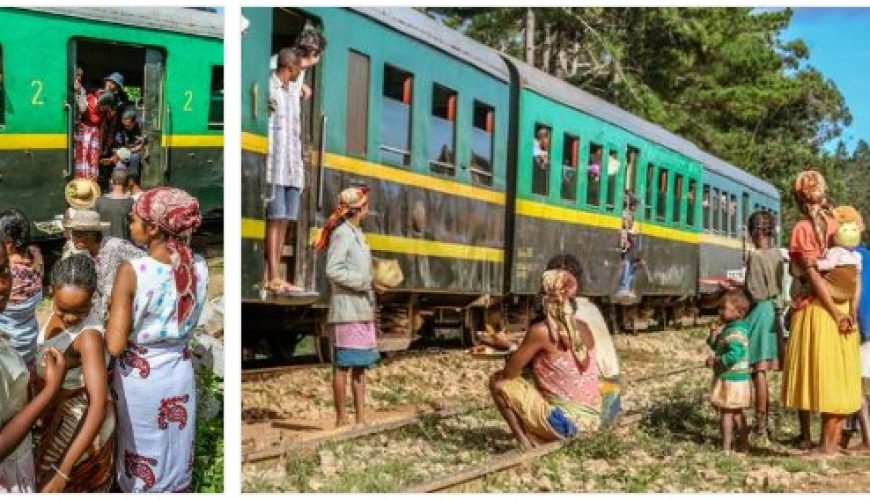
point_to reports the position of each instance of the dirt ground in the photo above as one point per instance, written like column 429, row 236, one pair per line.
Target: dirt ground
column 674, row 448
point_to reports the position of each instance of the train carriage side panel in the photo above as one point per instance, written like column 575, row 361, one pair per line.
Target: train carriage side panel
column 446, row 229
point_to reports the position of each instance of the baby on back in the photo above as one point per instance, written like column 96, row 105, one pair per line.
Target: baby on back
column 841, row 264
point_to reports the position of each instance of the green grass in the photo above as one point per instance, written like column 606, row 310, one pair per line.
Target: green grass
column 208, row 468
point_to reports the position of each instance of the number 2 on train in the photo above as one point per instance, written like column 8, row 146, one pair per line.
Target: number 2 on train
column 37, row 95
column 188, row 103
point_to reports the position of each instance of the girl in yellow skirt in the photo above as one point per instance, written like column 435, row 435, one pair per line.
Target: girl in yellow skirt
column 730, row 362
column 822, row 371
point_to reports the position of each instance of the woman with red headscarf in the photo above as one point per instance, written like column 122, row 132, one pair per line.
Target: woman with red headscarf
column 156, row 303
column 822, row 371
column 352, row 303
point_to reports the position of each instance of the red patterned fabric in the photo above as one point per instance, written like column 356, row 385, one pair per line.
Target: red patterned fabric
column 349, row 199
column 176, row 213
column 87, row 151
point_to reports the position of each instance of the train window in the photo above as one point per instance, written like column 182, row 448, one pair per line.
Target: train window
column 2, row 92
column 723, row 213
column 661, row 201
column 593, row 175
column 744, row 205
column 705, row 208
column 612, row 173
column 396, row 116
column 650, row 178
column 356, row 118
column 715, row 224
column 541, row 161
column 631, row 155
column 732, row 215
column 678, row 199
column 690, row 203
column 216, row 99
column 483, row 124
column 442, row 131
column 570, row 160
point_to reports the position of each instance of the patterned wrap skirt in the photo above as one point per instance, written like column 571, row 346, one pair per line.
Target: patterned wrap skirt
column 155, row 394
column 94, row 470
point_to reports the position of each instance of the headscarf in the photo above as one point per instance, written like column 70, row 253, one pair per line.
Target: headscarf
column 176, row 213
column 810, row 190
column 556, row 287
column 349, row 199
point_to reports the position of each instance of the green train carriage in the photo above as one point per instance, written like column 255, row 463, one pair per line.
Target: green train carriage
column 384, row 92
column 172, row 61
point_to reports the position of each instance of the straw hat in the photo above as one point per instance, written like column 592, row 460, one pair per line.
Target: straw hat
column 82, row 193
column 387, row 273
column 86, row 220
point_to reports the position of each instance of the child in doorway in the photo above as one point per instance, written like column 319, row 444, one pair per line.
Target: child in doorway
column 730, row 363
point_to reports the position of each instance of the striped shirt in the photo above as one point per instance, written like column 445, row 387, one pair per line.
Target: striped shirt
column 285, row 145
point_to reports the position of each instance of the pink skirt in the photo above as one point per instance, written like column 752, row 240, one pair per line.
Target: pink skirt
column 355, row 335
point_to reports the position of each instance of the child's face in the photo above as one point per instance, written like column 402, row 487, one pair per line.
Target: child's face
column 72, row 304
column 128, row 123
column 728, row 311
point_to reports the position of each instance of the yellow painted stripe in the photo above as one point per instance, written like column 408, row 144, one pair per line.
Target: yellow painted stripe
column 193, row 141
column 253, row 229
column 255, row 143
column 401, row 176
column 32, row 141
column 722, row 241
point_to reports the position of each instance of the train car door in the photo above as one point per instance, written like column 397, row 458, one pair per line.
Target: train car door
column 140, row 70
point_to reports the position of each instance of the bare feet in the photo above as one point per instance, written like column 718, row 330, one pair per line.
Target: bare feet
column 802, row 443
column 341, row 421
column 278, row 285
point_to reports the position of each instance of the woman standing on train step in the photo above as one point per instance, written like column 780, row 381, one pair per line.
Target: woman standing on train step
column 822, row 371
column 764, row 269
column 352, row 304
column 19, row 318
column 156, row 303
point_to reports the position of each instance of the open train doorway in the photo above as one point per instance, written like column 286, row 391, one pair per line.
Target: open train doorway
column 297, row 259
column 137, row 73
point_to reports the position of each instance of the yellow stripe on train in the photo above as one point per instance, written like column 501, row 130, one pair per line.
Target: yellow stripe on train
column 59, row 141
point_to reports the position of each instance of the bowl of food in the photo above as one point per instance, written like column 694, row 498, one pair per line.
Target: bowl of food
column 487, row 352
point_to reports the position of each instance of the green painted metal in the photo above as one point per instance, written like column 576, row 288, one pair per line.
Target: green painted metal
column 538, row 110
column 256, row 50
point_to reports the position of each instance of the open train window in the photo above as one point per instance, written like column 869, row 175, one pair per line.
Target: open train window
column 2, row 93
column 216, row 99
column 482, row 126
column 732, row 216
column 744, row 205
column 650, row 187
column 662, row 200
column 442, row 131
column 396, row 116
column 631, row 156
column 690, row 203
column 706, row 208
column 541, row 160
column 612, row 173
column 716, row 223
column 357, row 116
column 593, row 175
column 570, row 160
column 723, row 213
column 678, row 199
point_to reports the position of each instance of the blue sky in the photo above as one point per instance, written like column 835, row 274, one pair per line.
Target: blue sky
column 839, row 43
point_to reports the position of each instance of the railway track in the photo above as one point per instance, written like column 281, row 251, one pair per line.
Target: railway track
column 500, row 462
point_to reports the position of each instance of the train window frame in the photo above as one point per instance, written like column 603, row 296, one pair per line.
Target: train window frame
column 212, row 123
column 723, row 212
column 357, row 109
column 482, row 176
column 439, row 167
column 612, row 178
column 732, row 215
column 593, row 182
column 547, row 167
column 715, row 222
column 691, row 203
column 744, row 207
column 406, row 81
column 678, row 199
column 707, row 208
column 572, row 156
column 630, row 179
column 2, row 91
column 649, row 198
column 662, row 191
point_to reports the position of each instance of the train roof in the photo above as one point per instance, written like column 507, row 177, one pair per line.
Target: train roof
column 421, row 27
column 175, row 19
column 564, row 92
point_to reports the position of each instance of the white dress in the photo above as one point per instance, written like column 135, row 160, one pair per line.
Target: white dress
column 16, row 470
column 154, row 384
